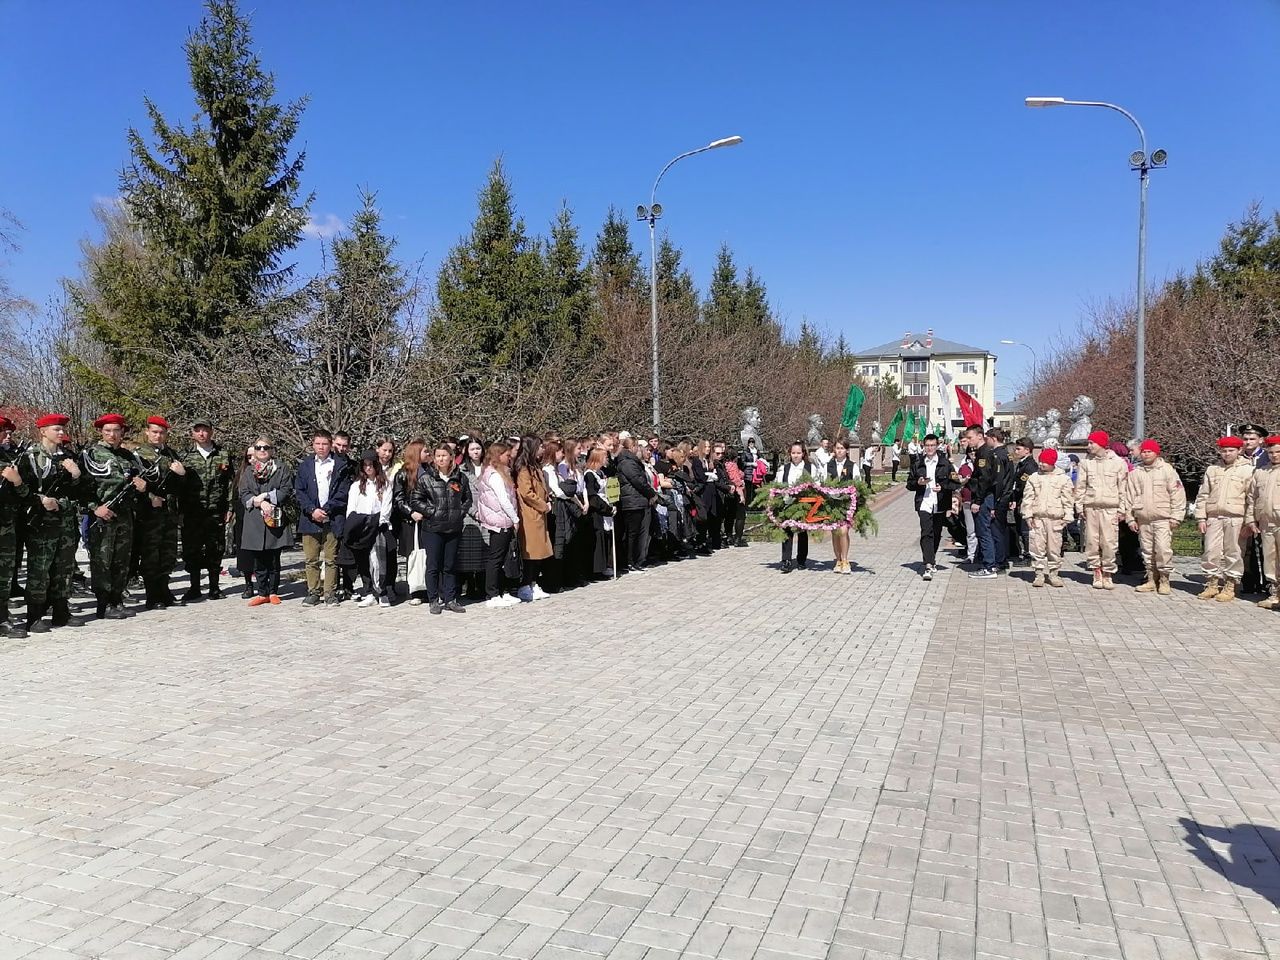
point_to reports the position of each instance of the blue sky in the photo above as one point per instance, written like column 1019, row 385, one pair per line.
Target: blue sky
column 891, row 178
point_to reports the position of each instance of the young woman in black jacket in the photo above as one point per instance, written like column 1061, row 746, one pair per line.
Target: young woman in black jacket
column 842, row 470
column 442, row 497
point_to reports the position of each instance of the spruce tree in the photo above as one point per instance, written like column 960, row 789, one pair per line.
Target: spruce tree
column 615, row 264
column 209, row 214
column 569, row 321
column 724, row 296
column 677, row 296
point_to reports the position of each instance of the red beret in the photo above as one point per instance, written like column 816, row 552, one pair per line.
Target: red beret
column 52, row 420
column 1151, row 445
column 6, row 424
column 107, row 419
column 157, row 422
column 1049, row 456
column 1271, row 441
column 1230, row 442
column 1101, row 438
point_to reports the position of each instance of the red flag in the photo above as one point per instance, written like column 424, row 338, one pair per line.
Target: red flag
column 970, row 409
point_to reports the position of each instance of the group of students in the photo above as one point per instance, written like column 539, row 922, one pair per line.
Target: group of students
column 1004, row 507
column 506, row 521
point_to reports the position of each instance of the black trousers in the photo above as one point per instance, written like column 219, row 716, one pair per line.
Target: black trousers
column 893, row 471
column 495, row 561
column 266, row 566
column 930, row 533
column 801, row 540
column 631, row 538
column 866, row 475
column 1252, row 581
column 442, row 560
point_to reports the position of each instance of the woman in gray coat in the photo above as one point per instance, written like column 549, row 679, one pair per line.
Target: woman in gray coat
column 266, row 486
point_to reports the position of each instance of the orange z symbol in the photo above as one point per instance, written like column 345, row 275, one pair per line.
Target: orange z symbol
column 815, row 504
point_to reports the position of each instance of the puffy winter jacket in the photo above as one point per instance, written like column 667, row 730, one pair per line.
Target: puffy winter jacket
column 635, row 492
column 442, row 501
column 1154, row 493
column 1100, row 481
column 1224, row 489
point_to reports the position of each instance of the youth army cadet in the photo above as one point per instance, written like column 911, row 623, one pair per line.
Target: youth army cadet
column 1099, row 484
column 1255, row 453
column 14, row 497
column 55, row 482
column 1153, row 502
column 114, row 475
column 1048, row 502
column 156, row 513
column 1262, row 519
column 206, row 509
column 1220, row 509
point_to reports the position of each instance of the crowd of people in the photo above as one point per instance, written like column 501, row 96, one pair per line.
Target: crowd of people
column 1005, row 507
column 503, row 521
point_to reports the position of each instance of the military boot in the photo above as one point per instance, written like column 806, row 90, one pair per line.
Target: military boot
column 62, row 615
column 1054, row 580
column 35, row 618
column 12, row 631
column 1163, row 587
column 1098, row 579
column 1039, row 579
column 153, row 599
column 193, row 595
column 215, row 591
column 1227, row 593
column 1148, row 585
column 1210, row 590
column 1271, row 601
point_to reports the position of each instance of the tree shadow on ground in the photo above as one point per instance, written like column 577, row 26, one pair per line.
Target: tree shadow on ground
column 1252, row 859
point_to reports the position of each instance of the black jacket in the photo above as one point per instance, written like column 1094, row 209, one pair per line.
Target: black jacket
column 944, row 475
column 849, row 471
column 1018, row 474
column 634, row 490
column 443, row 502
column 990, row 475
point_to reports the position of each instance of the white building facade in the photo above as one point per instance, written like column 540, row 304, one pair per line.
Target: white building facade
column 927, row 369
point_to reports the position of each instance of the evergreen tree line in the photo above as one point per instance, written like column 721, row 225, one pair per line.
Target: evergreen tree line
column 1211, row 348
column 188, row 303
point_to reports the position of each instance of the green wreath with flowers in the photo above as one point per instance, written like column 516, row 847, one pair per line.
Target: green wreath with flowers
column 792, row 505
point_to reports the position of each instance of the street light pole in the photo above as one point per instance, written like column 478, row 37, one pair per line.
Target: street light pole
column 1143, row 163
column 1035, row 361
column 651, row 213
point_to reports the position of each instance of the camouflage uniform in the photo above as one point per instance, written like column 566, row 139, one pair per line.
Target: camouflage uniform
column 206, row 502
column 109, row 470
column 155, row 529
column 13, row 502
column 52, row 535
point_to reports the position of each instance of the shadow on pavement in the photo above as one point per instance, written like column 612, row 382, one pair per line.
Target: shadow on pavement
column 1251, row 859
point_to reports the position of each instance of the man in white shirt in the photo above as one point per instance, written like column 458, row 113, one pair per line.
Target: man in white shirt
column 933, row 479
column 820, row 457
column 321, row 486
column 868, row 461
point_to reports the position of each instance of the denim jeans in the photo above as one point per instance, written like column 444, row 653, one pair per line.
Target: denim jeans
column 991, row 533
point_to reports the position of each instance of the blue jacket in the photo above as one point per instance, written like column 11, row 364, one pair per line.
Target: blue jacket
column 308, row 493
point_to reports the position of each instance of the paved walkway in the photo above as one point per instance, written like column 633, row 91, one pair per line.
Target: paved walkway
column 710, row 760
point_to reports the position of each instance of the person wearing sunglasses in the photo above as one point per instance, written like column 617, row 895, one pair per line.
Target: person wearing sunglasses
column 266, row 487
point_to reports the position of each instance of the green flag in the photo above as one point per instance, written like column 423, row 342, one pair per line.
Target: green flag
column 852, row 407
column 894, row 425
column 909, row 431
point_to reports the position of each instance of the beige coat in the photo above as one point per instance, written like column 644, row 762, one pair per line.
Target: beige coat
column 534, row 505
column 1262, row 506
column 1223, row 490
column 1100, row 481
column 1154, row 493
column 1048, row 495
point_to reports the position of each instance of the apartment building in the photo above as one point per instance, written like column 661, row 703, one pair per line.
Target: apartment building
column 927, row 369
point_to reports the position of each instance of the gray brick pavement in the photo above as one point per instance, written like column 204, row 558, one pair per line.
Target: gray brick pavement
column 710, row 760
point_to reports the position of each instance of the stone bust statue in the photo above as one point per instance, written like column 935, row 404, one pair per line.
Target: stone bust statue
column 1079, row 413
column 751, row 428
column 876, row 438
column 817, row 430
column 1053, row 434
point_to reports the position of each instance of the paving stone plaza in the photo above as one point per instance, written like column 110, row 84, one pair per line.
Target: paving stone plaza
column 706, row 760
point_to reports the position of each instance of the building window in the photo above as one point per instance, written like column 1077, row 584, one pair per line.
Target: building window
column 970, row 388
column 968, row 366
column 918, row 389
column 893, row 368
column 915, row 366
column 871, row 370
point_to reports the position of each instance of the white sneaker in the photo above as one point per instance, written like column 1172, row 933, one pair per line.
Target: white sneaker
column 415, row 601
column 525, row 595
column 538, row 593
column 501, row 600
column 368, row 601
column 384, row 601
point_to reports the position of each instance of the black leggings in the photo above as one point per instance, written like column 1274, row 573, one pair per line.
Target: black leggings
column 631, row 543
column 801, row 540
column 266, row 566
column 495, row 561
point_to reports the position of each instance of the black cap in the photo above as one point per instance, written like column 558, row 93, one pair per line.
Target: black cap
column 1244, row 428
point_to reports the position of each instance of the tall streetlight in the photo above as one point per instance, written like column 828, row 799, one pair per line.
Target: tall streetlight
column 1142, row 163
column 1035, row 361
column 652, row 213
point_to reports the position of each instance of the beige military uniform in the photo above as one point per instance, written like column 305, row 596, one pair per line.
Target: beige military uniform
column 1048, row 501
column 1262, row 507
column 1099, row 482
column 1155, row 500
column 1221, row 505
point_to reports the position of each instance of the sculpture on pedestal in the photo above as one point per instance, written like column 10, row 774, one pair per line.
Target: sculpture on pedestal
column 751, row 429
column 1079, row 413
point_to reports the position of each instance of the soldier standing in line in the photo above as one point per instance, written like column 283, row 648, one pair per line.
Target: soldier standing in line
column 1153, row 503
column 1262, row 518
column 10, row 451
column 50, row 470
column 1099, row 482
column 156, row 514
column 206, row 509
column 1047, row 502
column 14, row 497
column 1220, row 507
column 115, row 475
column 1255, row 454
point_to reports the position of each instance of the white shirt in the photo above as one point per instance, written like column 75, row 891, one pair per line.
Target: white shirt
column 820, row 460
column 205, row 452
column 371, row 501
column 324, row 477
column 791, row 472
column 929, row 502
column 869, row 457
column 895, row 453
